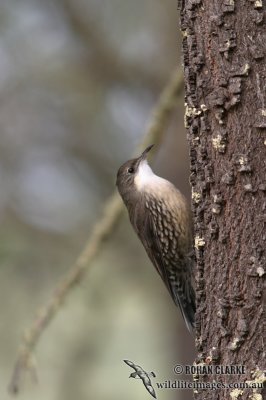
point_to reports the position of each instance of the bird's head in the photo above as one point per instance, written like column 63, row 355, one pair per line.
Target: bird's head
column 132, row 174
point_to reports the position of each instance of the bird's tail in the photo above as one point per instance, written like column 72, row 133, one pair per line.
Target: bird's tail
column 187, row 305
column 184, row 295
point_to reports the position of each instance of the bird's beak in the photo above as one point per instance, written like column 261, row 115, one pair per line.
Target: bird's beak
column 143, row 156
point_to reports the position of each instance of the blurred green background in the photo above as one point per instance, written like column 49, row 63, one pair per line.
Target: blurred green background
column 78, row 80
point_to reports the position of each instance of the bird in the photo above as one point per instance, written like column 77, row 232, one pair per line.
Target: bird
column 143, row 375
column 161, row 217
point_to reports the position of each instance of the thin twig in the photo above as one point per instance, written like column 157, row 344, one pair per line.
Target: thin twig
column 111, row 212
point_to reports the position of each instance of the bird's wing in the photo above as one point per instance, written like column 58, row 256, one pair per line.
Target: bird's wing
column 149, row 239
column 148, row 385
column 153, row 247
column 151, row 391
column 172, row 265
column 136, row 368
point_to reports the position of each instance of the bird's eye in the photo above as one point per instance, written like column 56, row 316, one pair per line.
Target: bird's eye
column 130, row 170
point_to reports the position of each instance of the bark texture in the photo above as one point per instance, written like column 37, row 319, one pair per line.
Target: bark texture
column 225, row 81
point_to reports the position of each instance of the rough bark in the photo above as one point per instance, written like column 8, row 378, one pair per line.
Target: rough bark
column 225, row 82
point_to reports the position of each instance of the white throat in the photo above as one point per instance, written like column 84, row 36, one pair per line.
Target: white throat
column 146, row 177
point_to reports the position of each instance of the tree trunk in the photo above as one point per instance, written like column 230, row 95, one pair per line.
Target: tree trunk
column 225, row 81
